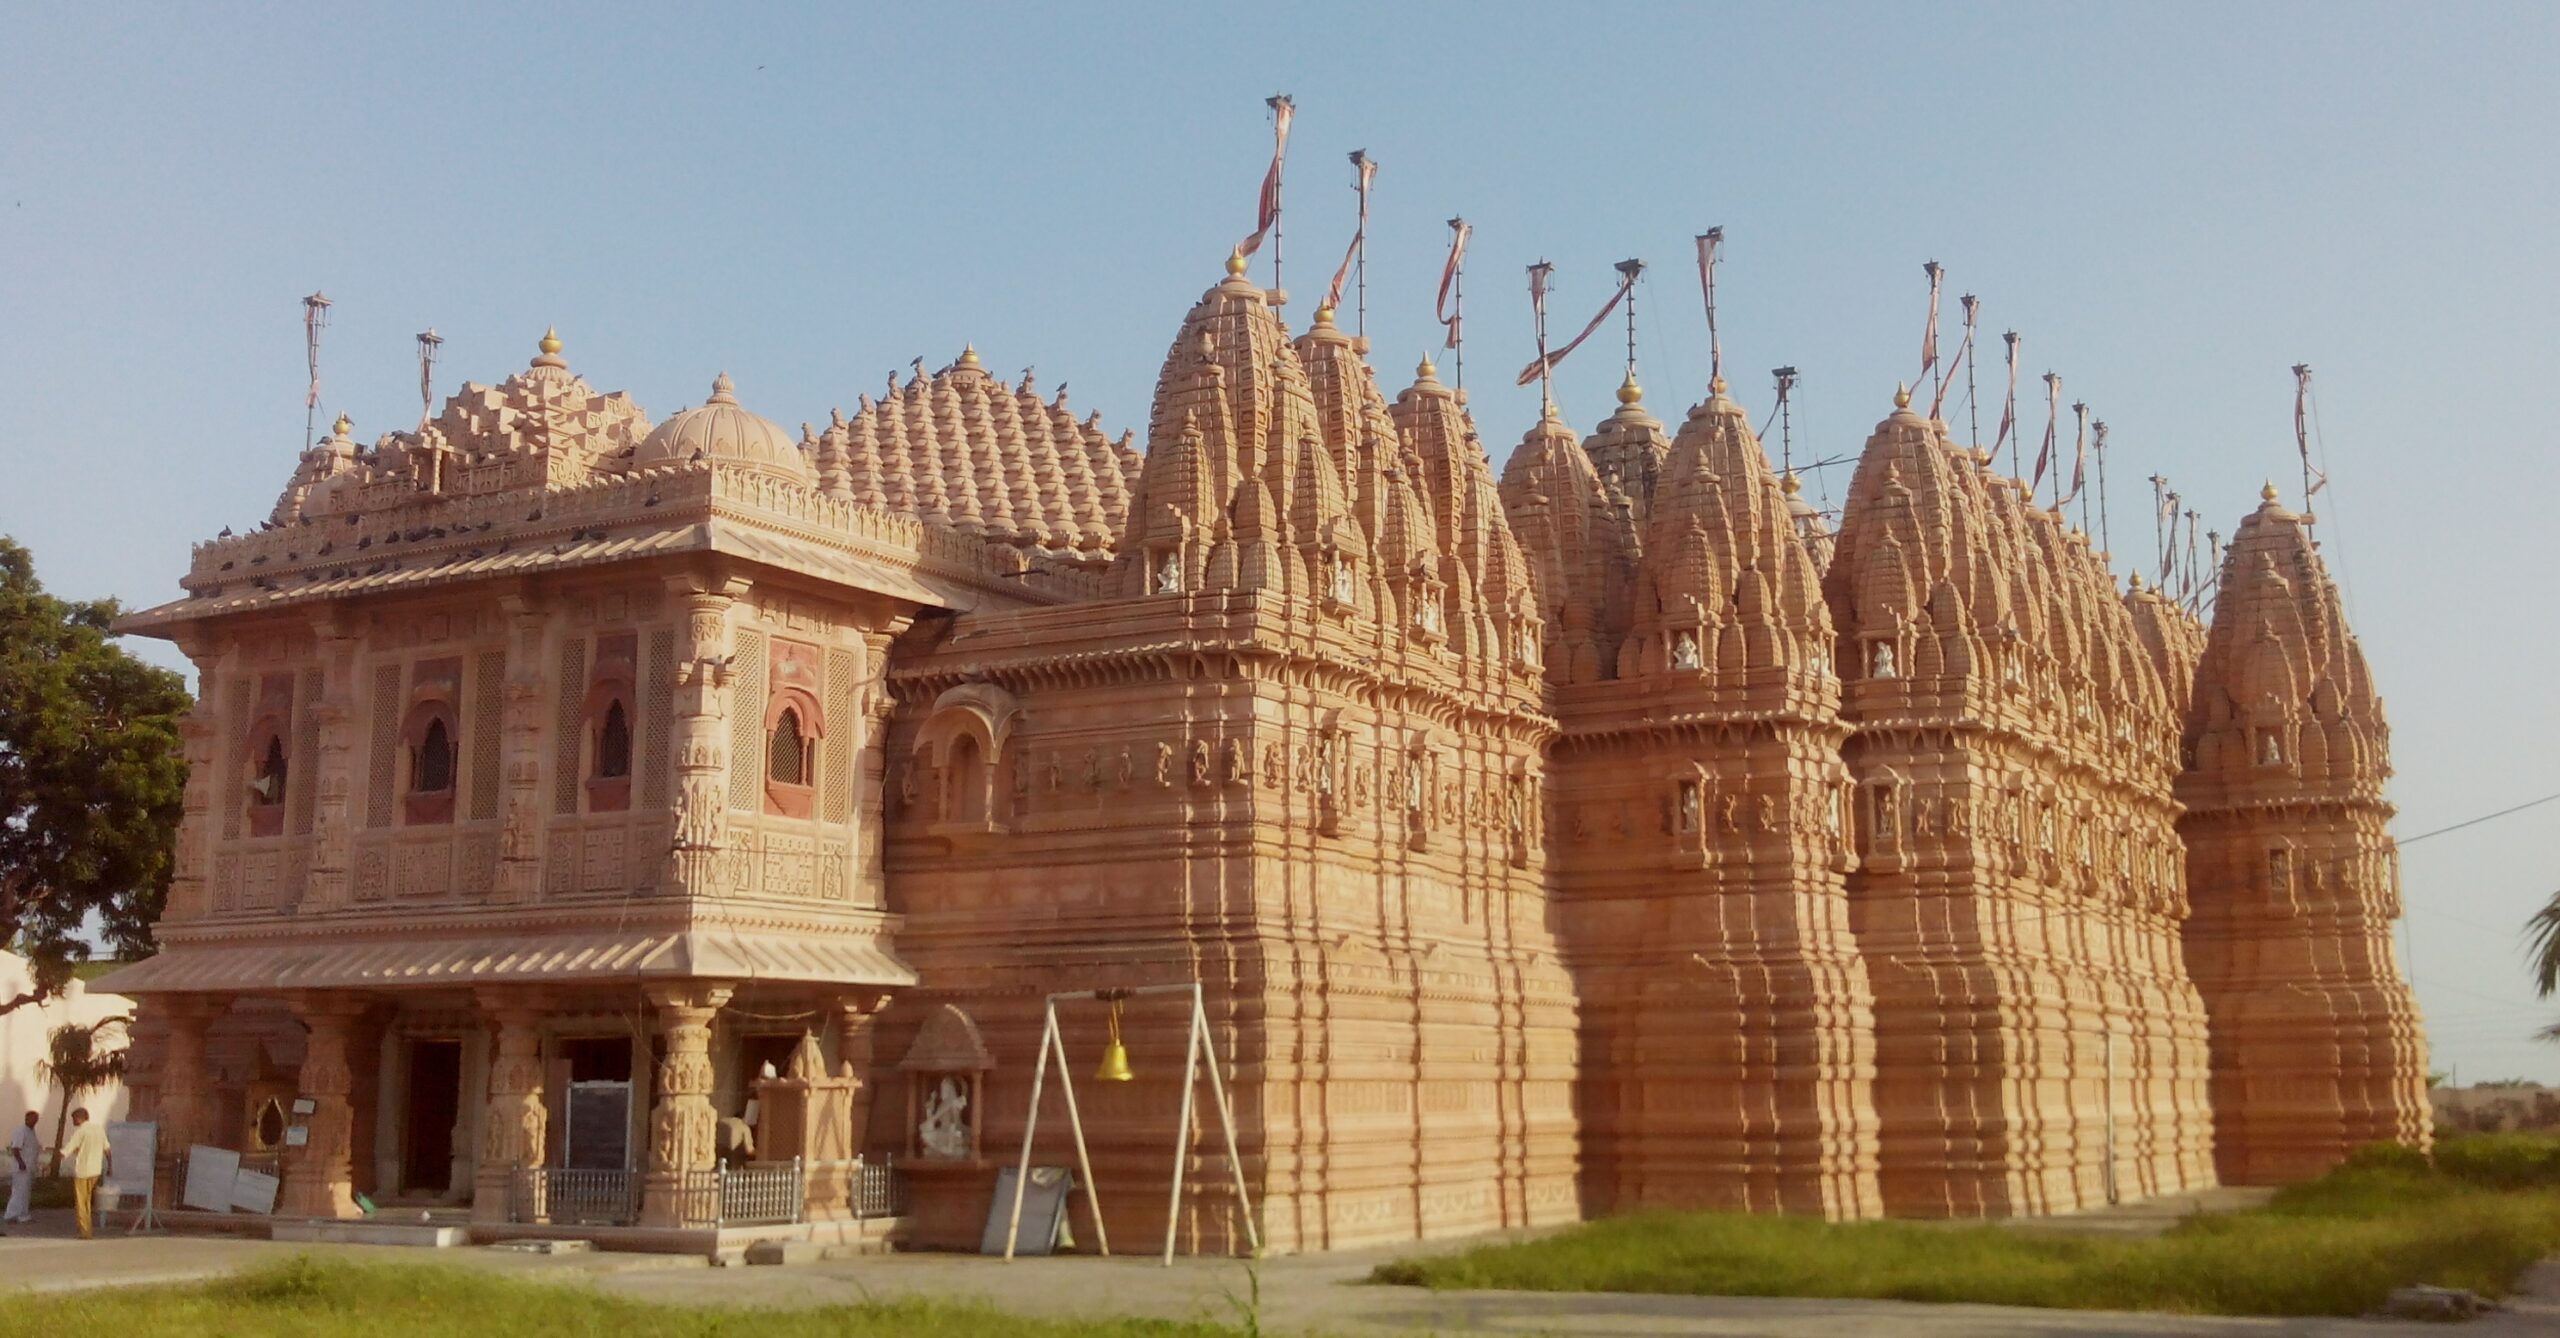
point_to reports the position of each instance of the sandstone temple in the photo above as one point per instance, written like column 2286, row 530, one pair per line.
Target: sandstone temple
column 584, row 813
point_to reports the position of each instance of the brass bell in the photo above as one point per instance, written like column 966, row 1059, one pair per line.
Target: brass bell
column 1115, row 1056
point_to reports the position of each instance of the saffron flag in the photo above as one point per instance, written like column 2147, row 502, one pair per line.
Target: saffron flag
column 2313, row 479
column 1929, row 336
column 2009, row 407
column 1459, row 231
column 1964, row 350
column 2079, row 454
column 1368, row 169
column 1710, row 242
column 2052, row 421
column 1269, row 213
column 1546, row 362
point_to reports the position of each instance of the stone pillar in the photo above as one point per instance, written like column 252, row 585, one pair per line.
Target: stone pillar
column 329, row 884
column 682, row 1133
column 857, row 1016
column 319, row 1177
column 181, row 1020
column 515, row 1130
column 520, row 807
column 700, row 738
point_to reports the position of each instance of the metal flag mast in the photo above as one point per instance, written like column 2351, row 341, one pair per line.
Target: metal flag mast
column 1281, row 108
column 1538, row 275
column 1198, row 1045
column 1366, row 169
column 1786, row 379
column 2312, row 480
column 1972, row 401
column 2009, row 414
column 1710, row 245
column 315, row 318
column 2052, row 429
column 429, row 344
column 1631, row 270
column 2159, row 537
column 2080, row 460
column 1929, row 338
column 1450, row 307
column 2106, row 548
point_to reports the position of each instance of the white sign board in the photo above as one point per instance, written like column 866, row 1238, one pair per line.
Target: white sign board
column 254, row 1191
column 131, row 1145
column 210, row 1171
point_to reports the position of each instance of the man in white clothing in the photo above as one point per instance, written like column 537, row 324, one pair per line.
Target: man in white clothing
column 24, row 1149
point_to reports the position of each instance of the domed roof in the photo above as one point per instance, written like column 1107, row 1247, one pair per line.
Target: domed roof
column 720, row 430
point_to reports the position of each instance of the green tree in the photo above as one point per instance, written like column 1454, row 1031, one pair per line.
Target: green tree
column 74, row 1062
column 91, row 775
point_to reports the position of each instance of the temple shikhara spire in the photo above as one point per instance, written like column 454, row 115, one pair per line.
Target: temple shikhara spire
column 1601, row 829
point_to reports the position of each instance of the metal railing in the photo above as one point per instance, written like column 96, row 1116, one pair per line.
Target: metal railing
column 564, row 1197
column 879, row 1190
column 762, row 1195
column 769, row 1195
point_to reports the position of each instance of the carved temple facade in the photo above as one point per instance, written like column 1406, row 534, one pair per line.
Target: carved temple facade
column 578, row 807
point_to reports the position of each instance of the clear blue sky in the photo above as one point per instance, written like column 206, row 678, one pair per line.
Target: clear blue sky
column 2173, row 203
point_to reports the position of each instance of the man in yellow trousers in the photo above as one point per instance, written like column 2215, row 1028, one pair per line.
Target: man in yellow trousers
column 86, row 1150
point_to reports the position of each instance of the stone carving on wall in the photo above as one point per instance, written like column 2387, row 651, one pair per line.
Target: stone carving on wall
column 944, row 1131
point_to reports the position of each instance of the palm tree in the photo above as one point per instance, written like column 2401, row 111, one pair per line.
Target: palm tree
column 2542, row 943
column 74, row 1063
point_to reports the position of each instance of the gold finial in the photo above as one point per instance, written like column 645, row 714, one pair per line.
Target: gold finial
column 551, row 341
column 1791, row 483
column 1550, row 413
column 969, row 356
column 1235, row 262
column 2268, row 492
column 1324, row 315
column 1628, row 391
column 1716, row 387
column 343, row 426
column 1901, row 395
column 1425, row 371
column 2137, row 583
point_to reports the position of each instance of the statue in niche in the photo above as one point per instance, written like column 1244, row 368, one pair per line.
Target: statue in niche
column 1688, row 808
column 1884, row 659
column 944, row 1131
column 1239, row 771
column 2270, row 753
column 1427, row 617
column 1344, row 588
column 1169, row 573
column 1684, row 650
column 1413, row 787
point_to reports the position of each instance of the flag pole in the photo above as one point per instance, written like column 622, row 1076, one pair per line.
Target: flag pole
column 2106, row 546
column 1360, row 261
column 1929, row 342
column 1972, row 399
column 315, row 318
column 1457, row 317
column 2302, row 435
column 1710, row 248
column 1631, row 269
column 2080, row 459
column 2009, row 414
column 1538, row 274
column 1786, row 379
column 1279, row 170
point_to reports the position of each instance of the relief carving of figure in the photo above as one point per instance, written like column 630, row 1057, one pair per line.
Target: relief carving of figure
column 1768, row 813
column 1275, row 773
column 1239, row 771
column 1164, row 765
column 1128, row 768
column 700, row 813
column 1199, row 762
column 1093, row 769
column 944, row 1131
column 1684, row 650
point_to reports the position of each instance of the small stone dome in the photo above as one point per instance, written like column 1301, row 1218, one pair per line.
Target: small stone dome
column 720, row 430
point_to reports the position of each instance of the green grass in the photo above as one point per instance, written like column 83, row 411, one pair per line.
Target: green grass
column 305, row 1298
column 2487, row 1208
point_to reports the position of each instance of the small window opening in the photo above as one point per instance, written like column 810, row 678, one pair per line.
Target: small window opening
column 787, row 760
column 613, row 744
column 431, row 764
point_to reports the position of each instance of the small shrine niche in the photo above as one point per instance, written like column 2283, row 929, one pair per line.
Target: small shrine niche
column 946, row 1072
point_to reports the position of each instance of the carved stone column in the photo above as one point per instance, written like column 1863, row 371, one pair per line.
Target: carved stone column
column 871, row 816
column 682, row 1124
column 515, row 1129
column 176, row 1095
column 319, row 1177
column 328, row 886
column 520, row 807
column 196, row 826
column 700, row 739
column 856, row 1018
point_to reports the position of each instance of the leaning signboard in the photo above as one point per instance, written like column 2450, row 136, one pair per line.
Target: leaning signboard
column 131, row 1146
column 210, row 1172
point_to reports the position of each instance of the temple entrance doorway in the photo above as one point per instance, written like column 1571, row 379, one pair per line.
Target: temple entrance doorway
column 435, row 1106
column 596, row 1121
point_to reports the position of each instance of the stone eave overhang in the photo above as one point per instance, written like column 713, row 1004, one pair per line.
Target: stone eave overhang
column 694, row 510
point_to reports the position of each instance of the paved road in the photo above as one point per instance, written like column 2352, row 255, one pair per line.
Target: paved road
column 1321, row 1293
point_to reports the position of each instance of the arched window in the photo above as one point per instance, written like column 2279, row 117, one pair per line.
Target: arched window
column 431, row 762
column 787, row 756
column 266, row 787
column 613, row 743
